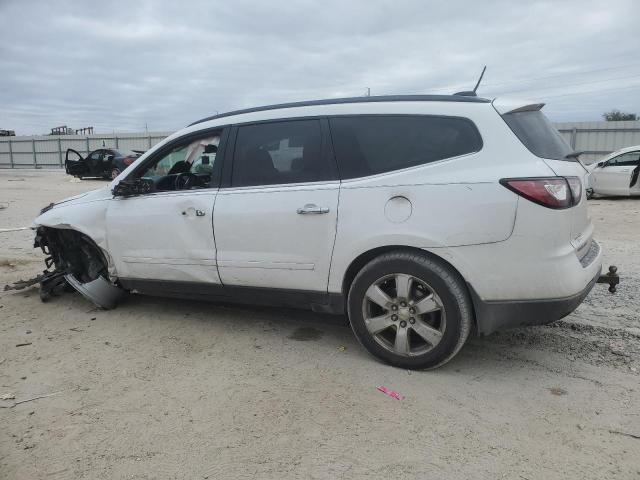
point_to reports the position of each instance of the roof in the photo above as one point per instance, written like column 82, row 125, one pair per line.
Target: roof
column 336, row 101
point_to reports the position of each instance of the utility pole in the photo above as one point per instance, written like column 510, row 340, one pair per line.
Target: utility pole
column 368, row 92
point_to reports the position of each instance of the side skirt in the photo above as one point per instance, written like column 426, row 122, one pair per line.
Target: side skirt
column 321, row 302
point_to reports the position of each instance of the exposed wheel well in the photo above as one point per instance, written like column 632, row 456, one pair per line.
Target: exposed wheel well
column 359, row 262
column 73, row 252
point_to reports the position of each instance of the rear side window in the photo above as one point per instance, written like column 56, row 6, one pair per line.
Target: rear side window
column 367, row 145
column 279, row 153
column 535, row 131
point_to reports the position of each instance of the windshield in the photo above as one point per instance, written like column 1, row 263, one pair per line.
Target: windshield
column 537, row 133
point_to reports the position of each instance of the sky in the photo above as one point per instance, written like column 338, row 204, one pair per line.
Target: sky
column 125, row 66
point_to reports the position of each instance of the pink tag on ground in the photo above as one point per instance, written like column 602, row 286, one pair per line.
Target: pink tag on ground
column 391, row 393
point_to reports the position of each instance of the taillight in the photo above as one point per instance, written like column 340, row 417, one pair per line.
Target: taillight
column 550, row 192
column 128, row 160
column 576, row 189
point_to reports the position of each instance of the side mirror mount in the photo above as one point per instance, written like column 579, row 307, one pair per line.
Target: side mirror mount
column 110, row 158
column 128, row 188
column 122, row 189
column 600, row 164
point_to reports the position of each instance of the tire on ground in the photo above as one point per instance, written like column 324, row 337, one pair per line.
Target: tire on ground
column 444, row 280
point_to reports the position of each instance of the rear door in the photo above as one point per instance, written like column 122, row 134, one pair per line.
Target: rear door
column 275, row 222
column 614, row 177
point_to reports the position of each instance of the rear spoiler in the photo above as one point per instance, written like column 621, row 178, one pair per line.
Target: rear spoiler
column 504, row 106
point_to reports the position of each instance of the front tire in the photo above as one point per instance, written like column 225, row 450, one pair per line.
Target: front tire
column 410, row 310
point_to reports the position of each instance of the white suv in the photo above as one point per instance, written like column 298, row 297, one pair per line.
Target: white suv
column 421, row 217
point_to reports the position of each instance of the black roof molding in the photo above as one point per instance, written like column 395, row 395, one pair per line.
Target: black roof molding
column 338, row 101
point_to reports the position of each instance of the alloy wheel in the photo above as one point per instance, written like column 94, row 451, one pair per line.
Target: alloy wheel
column 404, row 314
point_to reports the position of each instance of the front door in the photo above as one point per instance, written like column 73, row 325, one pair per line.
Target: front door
column 614, row 177
column 275, row 223
column 74, row 163
column 167, row 233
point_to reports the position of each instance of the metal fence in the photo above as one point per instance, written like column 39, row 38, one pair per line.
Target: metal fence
column 595, row 139
column 49, row 151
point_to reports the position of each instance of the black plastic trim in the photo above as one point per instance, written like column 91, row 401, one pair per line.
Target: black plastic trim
column 317, row 301
column 500, row 315
column 338, row 101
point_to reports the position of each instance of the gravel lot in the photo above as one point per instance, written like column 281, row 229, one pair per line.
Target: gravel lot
column 177, row 389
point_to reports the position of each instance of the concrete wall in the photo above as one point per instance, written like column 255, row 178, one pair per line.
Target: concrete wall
column 596, row 139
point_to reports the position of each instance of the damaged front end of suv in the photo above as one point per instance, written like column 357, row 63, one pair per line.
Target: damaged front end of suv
column 71, row 234
column 73, row 259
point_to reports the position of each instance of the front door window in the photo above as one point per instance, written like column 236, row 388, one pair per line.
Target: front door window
column 629, row 159
column 187, row 166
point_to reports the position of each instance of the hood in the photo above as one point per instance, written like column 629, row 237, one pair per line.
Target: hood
column 84, row 198
column 91, row 196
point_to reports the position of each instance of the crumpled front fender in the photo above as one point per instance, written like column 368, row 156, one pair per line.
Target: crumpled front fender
column 88, row 218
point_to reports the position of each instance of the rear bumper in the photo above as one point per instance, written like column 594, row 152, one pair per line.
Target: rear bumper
column 499, row 315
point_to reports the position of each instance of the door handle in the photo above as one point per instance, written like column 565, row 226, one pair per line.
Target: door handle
column 312, row 209
column 199, row 213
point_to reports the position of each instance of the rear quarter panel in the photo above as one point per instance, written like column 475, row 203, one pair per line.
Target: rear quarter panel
column 452, row 203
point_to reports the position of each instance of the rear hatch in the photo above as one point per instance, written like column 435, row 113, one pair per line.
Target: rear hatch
column 542, row 139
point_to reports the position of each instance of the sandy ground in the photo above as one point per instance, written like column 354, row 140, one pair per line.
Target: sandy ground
column 176, row 389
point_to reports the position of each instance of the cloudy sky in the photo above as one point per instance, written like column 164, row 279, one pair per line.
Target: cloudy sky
column 118, row 65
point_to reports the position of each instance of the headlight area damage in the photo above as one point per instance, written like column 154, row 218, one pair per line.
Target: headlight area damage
column 73, row 259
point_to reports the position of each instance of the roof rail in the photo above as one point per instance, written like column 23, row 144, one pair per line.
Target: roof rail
column 338, row 101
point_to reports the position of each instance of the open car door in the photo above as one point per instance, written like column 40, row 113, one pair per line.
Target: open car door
column 74, row 163
column 634, row 188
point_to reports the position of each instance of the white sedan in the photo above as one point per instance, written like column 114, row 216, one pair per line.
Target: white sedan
column 616, row 174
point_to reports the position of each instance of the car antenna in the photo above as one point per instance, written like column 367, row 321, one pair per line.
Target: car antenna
column 472, row 93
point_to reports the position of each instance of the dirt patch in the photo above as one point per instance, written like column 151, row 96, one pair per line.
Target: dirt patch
column 306, row 334
column 162, row 388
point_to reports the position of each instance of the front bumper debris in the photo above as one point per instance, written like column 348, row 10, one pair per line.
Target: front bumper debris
column 100, row 291
column 612, row 278
column 74, row 261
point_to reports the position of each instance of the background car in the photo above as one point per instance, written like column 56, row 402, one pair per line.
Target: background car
column 107, row 163
column 616, row 174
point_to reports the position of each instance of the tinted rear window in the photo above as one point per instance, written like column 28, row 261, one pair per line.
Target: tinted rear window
column 367, row 145
column 280, row 152
column 535, row 131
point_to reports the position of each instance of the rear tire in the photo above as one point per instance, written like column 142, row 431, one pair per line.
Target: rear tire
column 410, row 310
column 114, row 173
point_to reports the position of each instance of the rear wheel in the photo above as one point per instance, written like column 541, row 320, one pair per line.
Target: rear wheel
column 410, row 310
column 114, row 173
